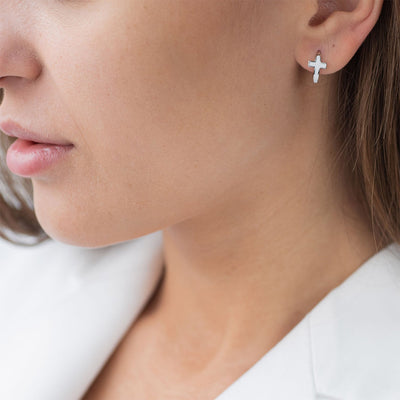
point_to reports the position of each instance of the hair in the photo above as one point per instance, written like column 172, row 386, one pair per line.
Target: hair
column 367, row 124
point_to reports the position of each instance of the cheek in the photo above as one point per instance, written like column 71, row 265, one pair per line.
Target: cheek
column 159, row 124
column 164, row 89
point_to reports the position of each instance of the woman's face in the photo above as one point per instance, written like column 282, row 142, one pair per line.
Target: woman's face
column 168, row 103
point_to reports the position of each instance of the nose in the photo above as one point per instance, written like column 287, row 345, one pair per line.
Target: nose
column 18, row 59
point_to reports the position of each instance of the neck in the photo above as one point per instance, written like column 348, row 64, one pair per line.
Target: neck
column 267, row 252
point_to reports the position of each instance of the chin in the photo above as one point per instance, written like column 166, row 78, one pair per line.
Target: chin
column 79, row 230
column 71, row 235
column 71, row 228
column 67, row 220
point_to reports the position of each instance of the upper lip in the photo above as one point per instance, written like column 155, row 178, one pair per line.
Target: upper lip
column 12, row 128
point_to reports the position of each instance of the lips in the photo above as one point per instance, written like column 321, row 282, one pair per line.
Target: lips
column 13, row 129
column 33, row 154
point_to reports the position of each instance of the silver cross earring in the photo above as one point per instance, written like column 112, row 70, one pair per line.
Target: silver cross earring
column 317, row 64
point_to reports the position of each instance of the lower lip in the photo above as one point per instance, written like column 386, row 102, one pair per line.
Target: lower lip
column 26, row 158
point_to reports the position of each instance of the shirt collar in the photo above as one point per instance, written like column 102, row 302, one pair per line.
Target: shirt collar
column 346, row 347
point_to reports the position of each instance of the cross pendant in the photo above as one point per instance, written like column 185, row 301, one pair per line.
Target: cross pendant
column 317, row 64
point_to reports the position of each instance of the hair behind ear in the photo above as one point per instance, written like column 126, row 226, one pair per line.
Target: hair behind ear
column 368, row 122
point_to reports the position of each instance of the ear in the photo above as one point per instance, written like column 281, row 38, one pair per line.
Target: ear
column 337, row 29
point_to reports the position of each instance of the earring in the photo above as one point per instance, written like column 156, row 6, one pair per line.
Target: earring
column 317, row 64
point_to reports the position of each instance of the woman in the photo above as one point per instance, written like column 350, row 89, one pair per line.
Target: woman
column 258, row 140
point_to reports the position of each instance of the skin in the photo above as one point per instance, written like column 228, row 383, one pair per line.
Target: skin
column 199, row 118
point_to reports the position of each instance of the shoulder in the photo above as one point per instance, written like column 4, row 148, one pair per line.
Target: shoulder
column 30, row 277
column 63, row 309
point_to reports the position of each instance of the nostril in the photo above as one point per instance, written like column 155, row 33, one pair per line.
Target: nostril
column 1, row 95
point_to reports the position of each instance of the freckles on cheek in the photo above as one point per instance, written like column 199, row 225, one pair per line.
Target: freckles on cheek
column 143, row 63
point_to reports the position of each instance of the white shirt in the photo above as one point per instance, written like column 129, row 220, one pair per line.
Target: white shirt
column 64, row 309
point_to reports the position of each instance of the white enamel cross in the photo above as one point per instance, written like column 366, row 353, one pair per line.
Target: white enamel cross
column 317, row 64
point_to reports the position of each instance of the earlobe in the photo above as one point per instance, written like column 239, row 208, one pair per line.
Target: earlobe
column 337, row 30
